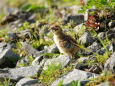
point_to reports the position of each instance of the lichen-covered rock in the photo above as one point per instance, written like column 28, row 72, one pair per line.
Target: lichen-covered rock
column 74, row 76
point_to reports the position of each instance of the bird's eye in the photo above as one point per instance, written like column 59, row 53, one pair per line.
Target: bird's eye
column 56, row 29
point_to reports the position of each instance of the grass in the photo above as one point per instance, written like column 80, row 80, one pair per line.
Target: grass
column 73, row 83
column 53, row 72
column 6, row 82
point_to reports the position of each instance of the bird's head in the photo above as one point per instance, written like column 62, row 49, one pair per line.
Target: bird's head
column 56, row 29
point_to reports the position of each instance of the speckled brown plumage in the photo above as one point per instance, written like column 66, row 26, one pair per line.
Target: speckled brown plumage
column 65, row 43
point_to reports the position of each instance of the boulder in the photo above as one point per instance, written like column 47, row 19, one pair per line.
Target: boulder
column 110, row 64
column 26, row 82
column 7, row 57
column 19, row 73
column 31, row 51
column 86, row 38
column 74, row 76
column 62, row 60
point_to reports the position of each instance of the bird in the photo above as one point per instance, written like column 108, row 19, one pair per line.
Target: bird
column 64, row 42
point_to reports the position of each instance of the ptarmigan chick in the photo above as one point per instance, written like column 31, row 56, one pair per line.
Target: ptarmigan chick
column 65, row 43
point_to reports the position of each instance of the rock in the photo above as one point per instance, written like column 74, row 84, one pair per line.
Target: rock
column 23, row 62
column 74, row 76
column 112, row 24
column 39, row 60
column 63, row 60
column 111, row 33
column 25, row 34
column 24, row 15
column 31, row 51
column 77, row 19
column 16, row 24
column 26, row 82
column 86, row 38
column 19, row 73
column 102, row 35
column 110, row 64
column 12, row 36
column 82, row 64
column 52, row 49
column 94, row 47
column 79, row 29
column 8, row 19
column 7, row 57
column 110, row 48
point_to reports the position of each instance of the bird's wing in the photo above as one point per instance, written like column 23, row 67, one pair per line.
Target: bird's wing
column 68, row 42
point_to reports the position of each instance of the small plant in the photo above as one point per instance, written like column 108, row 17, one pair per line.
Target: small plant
column 60, row 83
column 7, row 82
column 25, row 26
column 100, row 79
column 30, row 60
column 49, row 75
column 53, row 72
column 75, row 83
column 3, row 32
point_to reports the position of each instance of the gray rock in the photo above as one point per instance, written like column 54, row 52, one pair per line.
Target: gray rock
column 103, row 50
column 82, row 64
column 110, row 64
column 79, row 29
column 12, row 36
column 52, row 49
column 26, row 81
column 77, row 19
column 102, row 35
column 31, row 51
column 19, row 73
column 63, row 60
column 24, row 34
column 111, row 33
column 94, row 47
column 39, row 60
column 86, row 38
column 73, row 76
column 7, row 57
column 112, row 24
column 23, row 62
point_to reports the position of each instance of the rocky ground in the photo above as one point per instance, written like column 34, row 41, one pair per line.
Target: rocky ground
column 29, row 56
